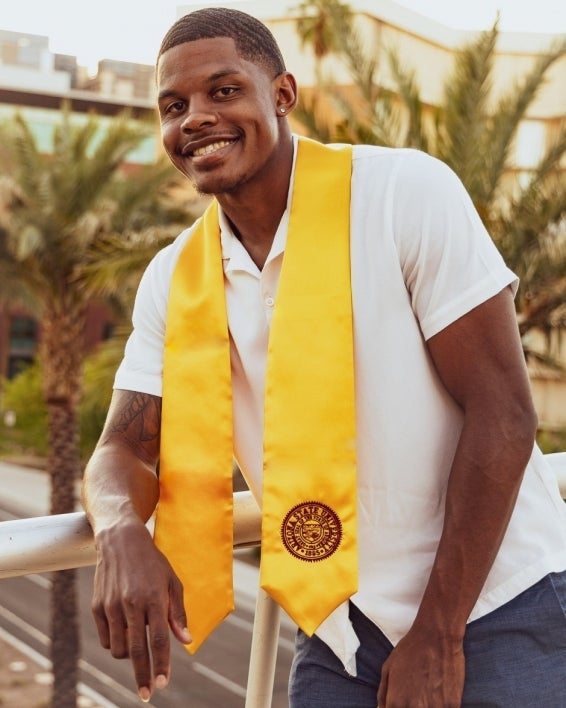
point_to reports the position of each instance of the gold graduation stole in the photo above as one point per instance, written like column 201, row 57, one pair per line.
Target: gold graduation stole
column 309, row 553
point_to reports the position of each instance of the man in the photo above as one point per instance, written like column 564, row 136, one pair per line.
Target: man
column 461, row 536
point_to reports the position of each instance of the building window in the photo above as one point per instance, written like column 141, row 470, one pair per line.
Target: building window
column 28, row 53
column 23, row 335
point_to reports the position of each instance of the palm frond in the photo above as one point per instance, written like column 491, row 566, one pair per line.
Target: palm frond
column 117, row 261
column 311, row 118
column 465, row 109
column 408, row 90
column 28, row 160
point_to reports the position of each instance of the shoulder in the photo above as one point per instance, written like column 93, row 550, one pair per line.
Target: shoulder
column 405, row 164
column 406, row 185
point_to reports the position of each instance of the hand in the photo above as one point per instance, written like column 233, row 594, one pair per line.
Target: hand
column 135, row 588
column 423, row 673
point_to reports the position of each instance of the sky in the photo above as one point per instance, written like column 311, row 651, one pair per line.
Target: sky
column 131, row 30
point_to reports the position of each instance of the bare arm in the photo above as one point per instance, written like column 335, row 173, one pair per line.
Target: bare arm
column 480, row 361
column 134, row 585
column 120, row 478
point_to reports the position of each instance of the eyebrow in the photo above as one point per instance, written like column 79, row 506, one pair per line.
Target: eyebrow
column 222, row 74
column 168, row 93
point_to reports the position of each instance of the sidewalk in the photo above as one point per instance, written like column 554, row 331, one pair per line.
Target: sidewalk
column 24, row 490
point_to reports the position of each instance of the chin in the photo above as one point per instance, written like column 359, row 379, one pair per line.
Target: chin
column 216, row 186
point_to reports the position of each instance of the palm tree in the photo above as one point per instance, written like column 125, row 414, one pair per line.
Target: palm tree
column 319, row 25
column 475, row 135
column 57, row 212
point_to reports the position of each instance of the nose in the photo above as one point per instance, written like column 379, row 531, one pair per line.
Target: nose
column 198, row 116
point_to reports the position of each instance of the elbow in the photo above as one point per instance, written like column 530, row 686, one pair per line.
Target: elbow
column 520, row 427
column 527, row 417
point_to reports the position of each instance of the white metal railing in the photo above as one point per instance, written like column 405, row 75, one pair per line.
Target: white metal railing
column 48, row 543
column 44, row 543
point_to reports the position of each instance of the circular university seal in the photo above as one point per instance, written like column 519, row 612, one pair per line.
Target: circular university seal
column 311, row 531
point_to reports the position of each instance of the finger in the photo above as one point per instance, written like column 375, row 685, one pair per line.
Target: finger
column 382, row 690
column 101, row 625
column 111, row 628
column 177, row 616
column 158, row 630
column 139, row 656
column 117, row 635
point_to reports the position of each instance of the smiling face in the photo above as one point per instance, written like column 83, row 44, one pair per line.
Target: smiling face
column 221, row 115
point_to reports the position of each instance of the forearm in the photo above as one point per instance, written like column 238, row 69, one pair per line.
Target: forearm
column 120, row 483
column 484, row 482
column 120, row 492
column 118, row 487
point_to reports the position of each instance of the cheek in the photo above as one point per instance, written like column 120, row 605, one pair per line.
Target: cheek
column 168, row 140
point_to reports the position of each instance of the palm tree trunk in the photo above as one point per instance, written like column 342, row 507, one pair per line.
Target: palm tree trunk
column 62, row 355
column 65, row 644
column 65, row 639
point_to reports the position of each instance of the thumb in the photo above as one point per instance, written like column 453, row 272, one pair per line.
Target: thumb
column 177, row 616
column 382, row 691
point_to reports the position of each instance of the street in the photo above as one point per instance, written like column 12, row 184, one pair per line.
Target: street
column 216, row 676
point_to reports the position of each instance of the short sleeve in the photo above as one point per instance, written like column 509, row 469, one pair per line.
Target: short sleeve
column 449, row 261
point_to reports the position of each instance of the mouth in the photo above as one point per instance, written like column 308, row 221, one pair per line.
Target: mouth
column 207, row 149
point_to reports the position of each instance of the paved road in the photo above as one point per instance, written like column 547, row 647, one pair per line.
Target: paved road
column 215, row 677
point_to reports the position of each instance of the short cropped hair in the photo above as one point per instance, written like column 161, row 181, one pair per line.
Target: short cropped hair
column 254, row 42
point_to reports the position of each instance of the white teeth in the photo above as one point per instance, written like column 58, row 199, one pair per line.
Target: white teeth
column 210, row 148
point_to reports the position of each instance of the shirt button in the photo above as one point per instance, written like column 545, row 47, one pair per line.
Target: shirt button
column 269, row 301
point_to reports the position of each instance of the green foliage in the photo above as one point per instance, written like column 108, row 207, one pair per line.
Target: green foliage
column 23, row 395
column 57, row 211
column 552, row 440
column 97, row 391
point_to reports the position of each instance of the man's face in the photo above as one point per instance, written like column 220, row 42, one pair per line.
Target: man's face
column 218, row 114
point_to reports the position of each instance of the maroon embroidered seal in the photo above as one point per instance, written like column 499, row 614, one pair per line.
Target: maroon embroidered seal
column 311, row 531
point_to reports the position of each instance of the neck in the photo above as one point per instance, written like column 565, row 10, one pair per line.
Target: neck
column 256, row 236
column 256, row 210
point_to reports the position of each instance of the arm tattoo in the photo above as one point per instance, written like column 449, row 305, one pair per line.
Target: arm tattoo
column 138, row 417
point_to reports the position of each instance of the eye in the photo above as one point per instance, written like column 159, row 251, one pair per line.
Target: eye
column 225, row 92
column 174, row 107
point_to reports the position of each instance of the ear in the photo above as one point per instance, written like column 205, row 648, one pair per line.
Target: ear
column 286, row 93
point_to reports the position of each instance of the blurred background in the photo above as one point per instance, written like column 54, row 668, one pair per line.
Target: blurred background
column 87, row 198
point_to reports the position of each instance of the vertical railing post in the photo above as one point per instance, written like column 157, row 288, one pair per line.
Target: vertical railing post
column 265, row 639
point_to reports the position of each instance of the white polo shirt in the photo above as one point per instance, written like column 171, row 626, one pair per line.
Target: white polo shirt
column 421, row 259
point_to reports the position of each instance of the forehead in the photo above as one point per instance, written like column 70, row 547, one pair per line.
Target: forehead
column 202, row 59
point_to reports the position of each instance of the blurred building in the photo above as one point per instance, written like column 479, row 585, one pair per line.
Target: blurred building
column 124, row 80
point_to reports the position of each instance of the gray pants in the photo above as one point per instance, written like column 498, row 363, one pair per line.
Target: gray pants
column 515, row 658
